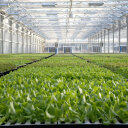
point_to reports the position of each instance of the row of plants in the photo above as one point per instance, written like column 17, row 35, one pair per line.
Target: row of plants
column 118, row 63
column 11, row 61
column 63, row 89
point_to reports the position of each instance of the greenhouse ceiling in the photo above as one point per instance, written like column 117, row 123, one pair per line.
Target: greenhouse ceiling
column 66, row 19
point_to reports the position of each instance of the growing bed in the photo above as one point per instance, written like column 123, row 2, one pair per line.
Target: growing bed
column 64, row 90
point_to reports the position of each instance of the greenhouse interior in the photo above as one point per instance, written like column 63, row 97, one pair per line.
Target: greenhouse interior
column 64, row 63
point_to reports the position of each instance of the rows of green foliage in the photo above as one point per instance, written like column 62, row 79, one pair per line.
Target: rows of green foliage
column 63, row 89
column 118, row 63
column 11, row 61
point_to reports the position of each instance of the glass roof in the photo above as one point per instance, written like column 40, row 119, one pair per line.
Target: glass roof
column 66, row 19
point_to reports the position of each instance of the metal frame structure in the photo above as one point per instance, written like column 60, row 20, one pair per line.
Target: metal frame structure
column 65, row 19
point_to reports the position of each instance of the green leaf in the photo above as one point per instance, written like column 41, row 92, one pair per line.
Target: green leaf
column 49, row 115
column 12, row 107
column 80, row 90
column 123, row 104
column 2, row 120
column 28, row 98
column 57, row 112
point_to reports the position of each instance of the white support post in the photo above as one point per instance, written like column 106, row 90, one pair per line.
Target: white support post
column 101, row 42
column 2, row 34
column 108, row 40
column 35, row 44
column 26, row 45
column 40, row 48
column 87, row 44
column 90, row 44
column 30, row 42
column 104, row 41
column 98, row 44
column 26, row 41
column 127, row 32
column 113, row 37
column 43, row 47
column 22, row 40
column 10, row 30
column 17, row 27
column 29, row 45
column 119, row 24
column 38, row 45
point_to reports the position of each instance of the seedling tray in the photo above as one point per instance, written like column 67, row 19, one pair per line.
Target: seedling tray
column 87, row 124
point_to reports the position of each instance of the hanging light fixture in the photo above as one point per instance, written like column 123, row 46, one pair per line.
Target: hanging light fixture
column 96, row 4
column 49, row 4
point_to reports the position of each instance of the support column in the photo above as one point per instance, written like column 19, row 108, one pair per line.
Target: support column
column 40, row 46
column 26, row 41
column 98, row 44
column 22, row 40
column 35, row 43
column 29, row 45
column 113, row 37
column 90, row 44
column 44, row 46
column 25, row 35
column 101, row 42
column 30, row 42
column 87, row 44
column 104, row 41
column 2, row 34
column 80, row 47
column 10, row 30
column 127, row 32
column 108, row 40
column 119, row 24
column 17, row 31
